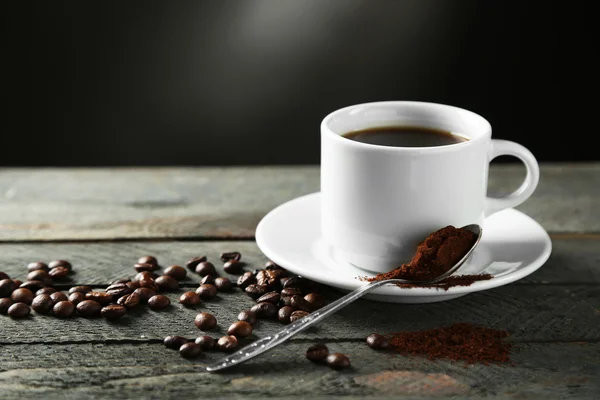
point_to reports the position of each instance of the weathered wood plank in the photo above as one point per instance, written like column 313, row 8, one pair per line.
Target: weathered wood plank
column 573, row 260
column 554, row 371
column 530, row 313
column 75, row 204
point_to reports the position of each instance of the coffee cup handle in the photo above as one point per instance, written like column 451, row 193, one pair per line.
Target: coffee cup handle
column 508, row 148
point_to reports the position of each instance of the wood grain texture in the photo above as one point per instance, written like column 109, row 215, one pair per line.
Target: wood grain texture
column 77, row 204
column 129, row 370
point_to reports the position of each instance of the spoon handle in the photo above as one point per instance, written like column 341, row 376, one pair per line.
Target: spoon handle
column 268, row 342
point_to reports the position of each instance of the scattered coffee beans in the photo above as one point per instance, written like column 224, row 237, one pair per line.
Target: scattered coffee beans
column 37, row 265
column 193, row 263
column 81, row 289
column 38, row 275
column 207, row 279
column 60, row 263
column 298, row 303
column 205, row 321
column 264, row 310
column 377, row 341
column 113, row 311
column 63, row 309
column 227, row 343
column 190, row 350
column 232, row 267
column 42, row 304
column 144, row 267
column 158, row 302
column 246, row 279
column 101, row 297
column 3, row 276
column 205, row 268
column 129, row 300
column 18, row 310
column 34, row 286
column 118, row 290
column 167, row 283
column 223, row 284
column 45, row 290
column 58, row 273
column 58, row 296
column 255, row 290
column 206, row 342
column 314, row 301
column 144, row 294
column 89, row 308
column 289, row 292
column 271, row 297
column 76, row 297
column 22, row 295
column 174, row 342
column 148, row 260
column 207, row 291
column 5, row 303
column 19, row 282
column 7, row 286
column 296, row 315
column 247, row 316
column 338, row 361
column 176, row 272
column 284, row 314
column 232, row 255
column 317, row 352
column 189, row 299
column 240, row 329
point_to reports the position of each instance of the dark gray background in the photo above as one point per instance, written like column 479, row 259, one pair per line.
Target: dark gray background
column 248, row 82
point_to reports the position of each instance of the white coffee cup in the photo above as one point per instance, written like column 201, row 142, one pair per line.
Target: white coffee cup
column 379, row 202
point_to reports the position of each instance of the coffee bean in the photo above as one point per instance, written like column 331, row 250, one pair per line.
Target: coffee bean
column 255, row 290
column 18, row 310
column 3, row 276
column 227, row 343
column 290, row 292
column 101, row 297
column 144, row 294
column 174, row 342
column 190, row 350
column 113, row 311
column 268, row 278
column 129, row 300
column 149, row 283
column 240, row 329
column 206, row 342
column 271, row 264
column 176, row 272
column 158, row 302
column 338, row 361
column 248, row 316
column 223, row 284
column 233, row 267
column 271, row 297
column 5, row 303
column 207, row 291
column 76, row 297
column 297, row 282
column 144, row 267
column 246, row 279
column 118, row 290
column 314, row 301
column 189, row 299
column 283, row 280
column 58, row 296
column 298, row 303
column 81, row 289
column 166, row 283
column 232, row 255
column 208, row 279
column 45, row 290
column 7, row 286
column 37, row 265
column 377, row 341
column 88, row 308
column 205, row 321
column 148, row 260
column 205, row 268
column 264, row 310
column 63, row 309
column 285, row 301
column 193, row 263
column 38, row 275
column 284, row 314
column 60, row 263
column 42, row 304
column 317, row 352
column 22, row 295
column 58, row 273
column 133, row 285
column 34, row 286
column 19, row 282
column 298, row 314
column 144, row 275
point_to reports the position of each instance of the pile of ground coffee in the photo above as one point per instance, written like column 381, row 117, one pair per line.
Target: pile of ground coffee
column 435, row 255
column 460, row 341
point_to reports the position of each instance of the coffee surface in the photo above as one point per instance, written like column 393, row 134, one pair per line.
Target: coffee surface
column 405, row 136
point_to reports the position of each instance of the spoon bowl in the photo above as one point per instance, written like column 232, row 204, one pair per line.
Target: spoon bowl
column 267, row 343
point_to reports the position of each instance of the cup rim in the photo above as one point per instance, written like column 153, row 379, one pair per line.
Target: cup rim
column 487, row 132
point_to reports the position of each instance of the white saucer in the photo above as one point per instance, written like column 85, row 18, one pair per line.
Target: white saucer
column 513, row 246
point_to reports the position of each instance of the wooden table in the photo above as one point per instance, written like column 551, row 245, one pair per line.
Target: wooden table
column 102, row 220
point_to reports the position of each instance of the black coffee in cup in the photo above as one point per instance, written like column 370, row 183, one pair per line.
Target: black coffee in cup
column 405, row 136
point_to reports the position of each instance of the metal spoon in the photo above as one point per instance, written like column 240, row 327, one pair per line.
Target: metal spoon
column 268, row 342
